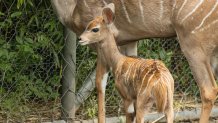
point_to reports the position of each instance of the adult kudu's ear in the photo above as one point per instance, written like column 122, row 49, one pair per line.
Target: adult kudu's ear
column 108, row 13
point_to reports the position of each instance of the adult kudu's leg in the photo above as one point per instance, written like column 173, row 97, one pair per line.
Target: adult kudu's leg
column 198, row 56
column 214, row 63
column 129, row 49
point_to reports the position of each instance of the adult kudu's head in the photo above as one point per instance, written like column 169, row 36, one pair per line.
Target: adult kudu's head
column 75, row 14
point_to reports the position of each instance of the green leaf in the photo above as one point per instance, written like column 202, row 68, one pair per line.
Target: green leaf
column 29, row 40
column 16, row 14
column 5, row 67
column 3, row 52
column 2, row 91
column 2, row 14
column 22, row 31
column 46, row 26
column 9, row 22
column 56, row 59
column 49, row 89
column 162, row 54
column 37, row 21
column 31, row 20
column 27, row 48
column 30, row 2
column 19, row 40
column 43, row 40
column 1, row 41
column 20, row 3
column 2, row 25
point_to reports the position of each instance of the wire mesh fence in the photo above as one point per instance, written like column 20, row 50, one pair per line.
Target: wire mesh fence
column 31, row 67
column 31, row 40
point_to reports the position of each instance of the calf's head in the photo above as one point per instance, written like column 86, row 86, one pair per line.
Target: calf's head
column 98, row 29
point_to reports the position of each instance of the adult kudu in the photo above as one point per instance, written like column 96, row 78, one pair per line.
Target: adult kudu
column 194, row 22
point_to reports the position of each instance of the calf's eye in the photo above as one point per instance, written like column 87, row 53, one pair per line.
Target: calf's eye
column 95, row 29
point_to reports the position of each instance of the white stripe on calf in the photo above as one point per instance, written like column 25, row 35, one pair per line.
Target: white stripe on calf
column 143, row 81
column 128, row 72
column 147, row 84
column 131, row 108
column 104, row 82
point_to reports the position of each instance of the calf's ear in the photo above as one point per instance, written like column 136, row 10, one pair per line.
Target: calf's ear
column 108, row 13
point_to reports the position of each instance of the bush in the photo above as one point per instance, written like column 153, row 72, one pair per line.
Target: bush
column 30, row 41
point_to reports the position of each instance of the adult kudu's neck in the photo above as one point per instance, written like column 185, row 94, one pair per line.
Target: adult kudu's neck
column 108, row 50
column 138, row 19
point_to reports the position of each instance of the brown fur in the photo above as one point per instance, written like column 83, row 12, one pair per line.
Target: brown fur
column 95, row 22
column 150, row 71
column 139, row 81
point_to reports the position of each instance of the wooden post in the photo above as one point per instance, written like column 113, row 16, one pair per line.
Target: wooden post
column 68, row 79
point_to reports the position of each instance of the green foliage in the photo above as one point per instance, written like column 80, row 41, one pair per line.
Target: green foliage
column 92, row 109
column 20, row 3
column 30, row 41
column 85, row 63
column 156, row 51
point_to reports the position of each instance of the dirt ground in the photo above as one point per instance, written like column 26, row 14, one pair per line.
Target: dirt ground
column 48, row 113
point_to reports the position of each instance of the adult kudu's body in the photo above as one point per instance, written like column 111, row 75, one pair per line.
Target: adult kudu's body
column 194, row 22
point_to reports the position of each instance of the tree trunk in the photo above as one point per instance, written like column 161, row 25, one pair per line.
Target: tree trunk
column 68, row 78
